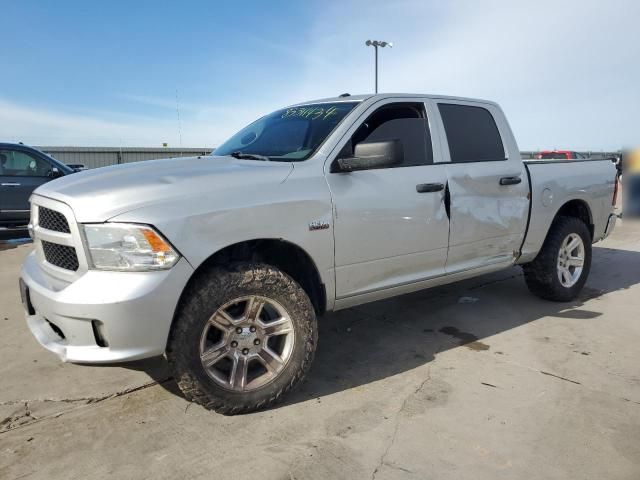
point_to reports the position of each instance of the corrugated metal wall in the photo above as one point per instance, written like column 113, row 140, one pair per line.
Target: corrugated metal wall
column 93, row 157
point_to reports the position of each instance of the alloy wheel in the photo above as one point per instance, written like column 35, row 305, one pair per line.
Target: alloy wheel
column 571, row 260
column 247, row 343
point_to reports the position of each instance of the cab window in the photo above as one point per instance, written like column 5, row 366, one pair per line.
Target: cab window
column 472, row 133
column 406, row 122
column 14, row 163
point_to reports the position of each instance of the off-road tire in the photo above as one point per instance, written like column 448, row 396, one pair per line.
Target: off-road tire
column 541, row 274
column 210, row 290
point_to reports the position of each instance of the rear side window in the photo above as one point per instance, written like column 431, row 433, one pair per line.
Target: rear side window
column 472, row 133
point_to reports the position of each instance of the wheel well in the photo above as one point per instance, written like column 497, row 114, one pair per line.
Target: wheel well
column 578, row 209
column 286, row 256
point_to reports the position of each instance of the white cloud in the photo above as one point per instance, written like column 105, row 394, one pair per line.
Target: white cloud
column 42, row 126
column 565, row 72
column 205, row 126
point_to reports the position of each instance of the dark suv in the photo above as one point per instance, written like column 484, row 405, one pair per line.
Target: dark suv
column 22, row 170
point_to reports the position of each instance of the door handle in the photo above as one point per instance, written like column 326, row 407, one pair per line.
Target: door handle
column 10, row 184
column 510, row 180
column 429, row 187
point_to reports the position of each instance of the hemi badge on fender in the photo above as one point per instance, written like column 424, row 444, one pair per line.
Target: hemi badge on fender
column 318, row 225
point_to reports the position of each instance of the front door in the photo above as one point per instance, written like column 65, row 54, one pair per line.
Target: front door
column 488, row 188
column 20, row 174
column 390, row 224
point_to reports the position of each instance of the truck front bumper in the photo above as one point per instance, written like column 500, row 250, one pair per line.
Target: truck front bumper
column 102, row 317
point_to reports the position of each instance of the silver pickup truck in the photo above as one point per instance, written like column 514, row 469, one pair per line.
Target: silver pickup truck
column 224, row 262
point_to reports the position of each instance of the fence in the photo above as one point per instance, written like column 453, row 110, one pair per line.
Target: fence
column 532, row 154
column 93, row 157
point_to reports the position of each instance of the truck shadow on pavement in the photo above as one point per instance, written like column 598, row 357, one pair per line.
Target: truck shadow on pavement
column 382, row 339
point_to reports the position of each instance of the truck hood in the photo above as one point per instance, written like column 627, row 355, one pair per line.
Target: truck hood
column 100, row 194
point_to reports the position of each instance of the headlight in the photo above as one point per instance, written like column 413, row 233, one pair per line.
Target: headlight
column 121, row 246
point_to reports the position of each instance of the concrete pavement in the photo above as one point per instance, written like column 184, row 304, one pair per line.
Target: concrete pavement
column 475, row 380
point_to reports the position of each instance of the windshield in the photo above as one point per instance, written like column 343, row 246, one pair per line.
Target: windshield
column 291, row 134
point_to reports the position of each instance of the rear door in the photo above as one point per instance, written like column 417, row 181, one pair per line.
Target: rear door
column 20, row 174
column 390, row 224
column 487, row 186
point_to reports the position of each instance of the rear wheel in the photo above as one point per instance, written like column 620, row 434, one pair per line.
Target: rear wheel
column 243, row 336
column 561, row 268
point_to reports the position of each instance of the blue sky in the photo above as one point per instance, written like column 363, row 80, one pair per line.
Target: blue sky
column 567, row 73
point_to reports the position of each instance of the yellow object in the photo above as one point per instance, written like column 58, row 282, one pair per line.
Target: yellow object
column 632, row 162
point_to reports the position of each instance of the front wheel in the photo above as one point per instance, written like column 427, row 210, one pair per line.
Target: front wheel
column 561, row 268
column 243, row 336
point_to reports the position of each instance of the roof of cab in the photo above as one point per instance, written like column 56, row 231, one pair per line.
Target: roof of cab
column 363, row 97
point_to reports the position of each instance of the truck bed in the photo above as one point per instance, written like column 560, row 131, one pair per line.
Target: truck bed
column 553, row 183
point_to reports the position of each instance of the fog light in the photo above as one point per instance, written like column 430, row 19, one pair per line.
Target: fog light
column 99, row 333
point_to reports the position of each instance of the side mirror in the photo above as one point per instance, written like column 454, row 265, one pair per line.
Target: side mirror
column 369, row 156
column 55, row 173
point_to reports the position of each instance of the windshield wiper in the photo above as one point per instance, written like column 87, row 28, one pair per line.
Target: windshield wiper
column 248, row 156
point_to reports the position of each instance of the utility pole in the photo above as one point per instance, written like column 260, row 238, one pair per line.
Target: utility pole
column 375, row 44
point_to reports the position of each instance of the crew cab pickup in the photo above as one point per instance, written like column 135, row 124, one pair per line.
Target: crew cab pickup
column 224, row 262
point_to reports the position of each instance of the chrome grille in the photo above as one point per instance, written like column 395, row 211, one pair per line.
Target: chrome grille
column 60, row 255
column 57, row 239
column 52, row 220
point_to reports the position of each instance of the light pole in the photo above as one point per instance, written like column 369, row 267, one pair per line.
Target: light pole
column 375, row 44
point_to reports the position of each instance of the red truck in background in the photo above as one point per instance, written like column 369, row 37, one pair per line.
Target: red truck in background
column 559, row 154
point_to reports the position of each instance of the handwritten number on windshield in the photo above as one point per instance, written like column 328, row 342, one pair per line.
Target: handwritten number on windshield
column 312, row 113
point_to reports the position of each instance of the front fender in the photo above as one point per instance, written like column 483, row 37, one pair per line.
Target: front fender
column 200, row 227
